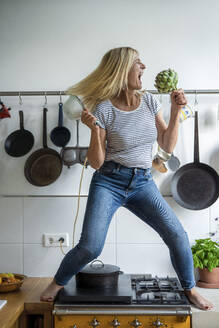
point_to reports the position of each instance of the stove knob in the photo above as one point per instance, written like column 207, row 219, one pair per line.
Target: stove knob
column 135, row 323
column 94, row 323
column 158, row 323
column 115, row 323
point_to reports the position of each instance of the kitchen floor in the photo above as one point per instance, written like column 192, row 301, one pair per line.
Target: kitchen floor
column 207, row 319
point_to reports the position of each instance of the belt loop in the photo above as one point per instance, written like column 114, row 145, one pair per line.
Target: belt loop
column 135, row 170
column 118, row 166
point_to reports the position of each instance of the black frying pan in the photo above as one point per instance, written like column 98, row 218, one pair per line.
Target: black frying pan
column 60, row 135
column 43, row 166
column 195, row 185
column 19, row 142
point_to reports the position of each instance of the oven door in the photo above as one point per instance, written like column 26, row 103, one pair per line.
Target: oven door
column 105, row 318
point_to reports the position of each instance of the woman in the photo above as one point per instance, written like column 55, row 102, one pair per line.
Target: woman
column 129, row 121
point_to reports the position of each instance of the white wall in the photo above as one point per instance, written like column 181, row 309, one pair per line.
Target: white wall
column 50, row 45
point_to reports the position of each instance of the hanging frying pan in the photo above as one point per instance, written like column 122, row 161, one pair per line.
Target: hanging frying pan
column 60, row 135
column 19, row 142
column 43, row 166
column 195, row 185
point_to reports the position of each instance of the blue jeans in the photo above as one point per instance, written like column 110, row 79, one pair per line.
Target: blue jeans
column 115, row 185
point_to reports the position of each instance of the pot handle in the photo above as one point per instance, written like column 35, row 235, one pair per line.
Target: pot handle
column 97, row 261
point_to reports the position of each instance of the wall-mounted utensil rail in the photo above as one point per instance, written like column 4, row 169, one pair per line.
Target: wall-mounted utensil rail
column 62, row 93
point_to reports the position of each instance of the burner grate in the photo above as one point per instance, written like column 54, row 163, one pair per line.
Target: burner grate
column 163, row 291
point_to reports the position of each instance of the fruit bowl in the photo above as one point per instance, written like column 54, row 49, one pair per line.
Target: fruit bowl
column 6, row 287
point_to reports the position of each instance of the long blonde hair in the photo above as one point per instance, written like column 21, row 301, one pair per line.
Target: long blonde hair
column 107, row 80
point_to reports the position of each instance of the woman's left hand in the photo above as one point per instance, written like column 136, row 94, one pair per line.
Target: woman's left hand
column 178, row 99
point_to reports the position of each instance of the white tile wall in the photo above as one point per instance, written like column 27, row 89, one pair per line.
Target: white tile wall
column 144, row 258
column 108, row 254
column 41, row 261
column 11, row 258
column 54, row 215
column 195, row 223
column 130, row 229
column 11, row 220
column 130, row 243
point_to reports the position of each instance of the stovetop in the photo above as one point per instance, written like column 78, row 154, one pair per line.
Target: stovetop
column 134, row 290
column 161, row 291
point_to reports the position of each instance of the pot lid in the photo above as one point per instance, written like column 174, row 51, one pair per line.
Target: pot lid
column 98, row 267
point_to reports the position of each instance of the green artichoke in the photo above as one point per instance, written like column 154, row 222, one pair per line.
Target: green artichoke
column 166, row 81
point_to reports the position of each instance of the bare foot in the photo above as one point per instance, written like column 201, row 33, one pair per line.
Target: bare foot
column 198, row 300
column 49, row 294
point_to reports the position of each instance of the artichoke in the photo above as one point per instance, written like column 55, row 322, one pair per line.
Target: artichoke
column 166, row 81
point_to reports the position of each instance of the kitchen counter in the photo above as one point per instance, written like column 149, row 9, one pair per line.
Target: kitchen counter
column 26, row 299
column 207, row 319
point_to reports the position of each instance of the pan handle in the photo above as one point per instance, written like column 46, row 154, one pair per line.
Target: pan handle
column 196, row 140
column 60, row 114
column 77, row 122
column 21, row 115
column 44, row 128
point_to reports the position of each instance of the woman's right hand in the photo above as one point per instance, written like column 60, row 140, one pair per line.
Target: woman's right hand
column 88, row 119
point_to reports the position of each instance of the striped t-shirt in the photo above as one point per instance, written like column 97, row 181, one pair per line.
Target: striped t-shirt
column 130, row 134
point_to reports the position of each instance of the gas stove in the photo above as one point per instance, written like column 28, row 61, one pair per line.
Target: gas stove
column 138, row 300
column 133, row 290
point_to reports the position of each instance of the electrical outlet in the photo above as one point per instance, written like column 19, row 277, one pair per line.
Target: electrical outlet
column 52, row 239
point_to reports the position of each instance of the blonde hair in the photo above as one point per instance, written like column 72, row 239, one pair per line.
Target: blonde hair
column 107, row 80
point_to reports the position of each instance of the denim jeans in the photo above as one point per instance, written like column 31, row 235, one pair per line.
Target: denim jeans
column 112, row 186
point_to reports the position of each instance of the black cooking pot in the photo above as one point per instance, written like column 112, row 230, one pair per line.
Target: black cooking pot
column 98, row 275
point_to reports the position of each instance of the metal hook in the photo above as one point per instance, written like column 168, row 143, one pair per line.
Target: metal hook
column 60, row 94
column 196, row 100
column 45, row 104
column 20, row 99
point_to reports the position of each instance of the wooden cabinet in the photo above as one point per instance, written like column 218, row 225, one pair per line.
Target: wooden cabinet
column 16, row 324
column 35, row 319
column 37, row 314
column 24, row 308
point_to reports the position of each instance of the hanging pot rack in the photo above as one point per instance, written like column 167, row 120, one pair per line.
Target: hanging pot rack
column 62, row 93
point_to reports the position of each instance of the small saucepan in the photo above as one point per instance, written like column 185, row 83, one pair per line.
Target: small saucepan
column 60, row 135
column 98, row 275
